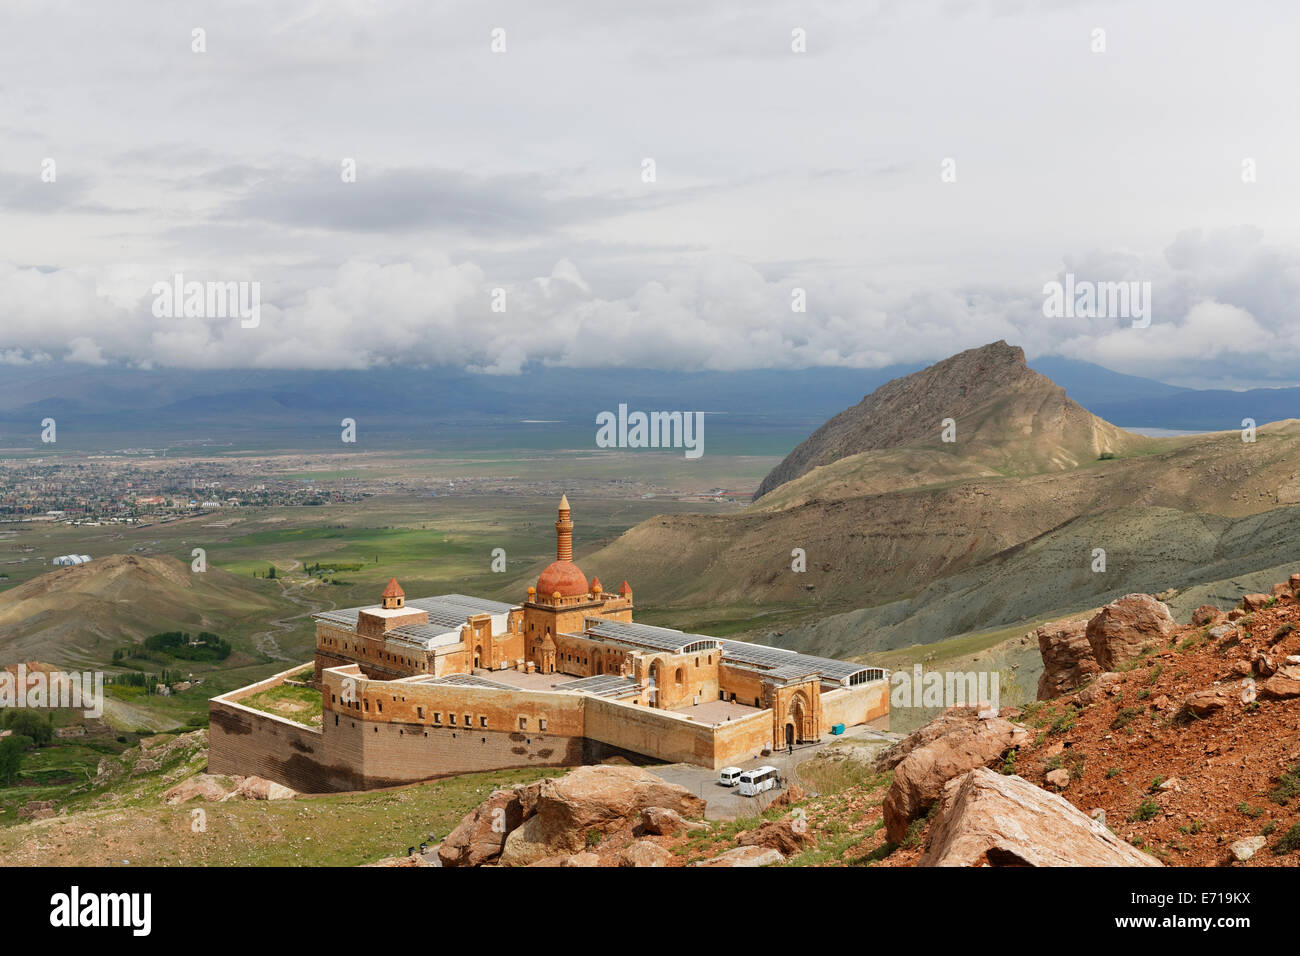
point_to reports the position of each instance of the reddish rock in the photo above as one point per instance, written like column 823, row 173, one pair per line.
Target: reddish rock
column 1067, row 657
column 789, row 796
column 1058, row 779
column 1125, row 629
column 481, row 836
column 599, row 799
column 1105, row 684
column 1280, row 687
column 1203, row 703
column 644, row 853
column 1255, row 602
column 660, row 822
column 1207, row 614
column 1262, row 664
column 950, row 720
column 787, row 836
column 986, row 818
column 920, row 777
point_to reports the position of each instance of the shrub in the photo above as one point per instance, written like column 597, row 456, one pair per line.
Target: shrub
column 1290, row 842
column 1288, row 786
column 1146, row 810
column 27, row 723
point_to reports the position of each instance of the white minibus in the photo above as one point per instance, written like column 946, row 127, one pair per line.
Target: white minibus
column 754, row 782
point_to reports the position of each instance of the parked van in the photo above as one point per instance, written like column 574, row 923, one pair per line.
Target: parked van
column 729, row 776
column 754, row 782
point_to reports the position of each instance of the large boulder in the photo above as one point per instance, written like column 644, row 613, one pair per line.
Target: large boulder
column 258, row 788
column 481, row 836
column 920, row 778
column 591, row 800
column 784, row 835
column 745, row 856
column 660, row 822
column 1067, row 657
column 1127, row 628
column 644, row 853
column 952, row 719
column 986, row 818
column 205, row 786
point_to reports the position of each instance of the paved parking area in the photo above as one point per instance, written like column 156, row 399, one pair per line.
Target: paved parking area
column 726, row 803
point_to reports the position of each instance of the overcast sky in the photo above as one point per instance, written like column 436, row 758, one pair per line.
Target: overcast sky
column 522, row 170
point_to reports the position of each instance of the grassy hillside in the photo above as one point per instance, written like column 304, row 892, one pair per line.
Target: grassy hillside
column 124, row 818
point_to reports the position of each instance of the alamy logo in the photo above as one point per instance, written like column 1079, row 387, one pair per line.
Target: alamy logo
column 74, row 908
column 1072, row 299
column 38, row 689
column 651, row 430
column 945, row 689
column 208, row 300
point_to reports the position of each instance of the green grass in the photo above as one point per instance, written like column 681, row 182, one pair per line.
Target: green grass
column 828, row 776
column 1288, row 786
column 333, row 830
column 300, row 704
column 1146, row 810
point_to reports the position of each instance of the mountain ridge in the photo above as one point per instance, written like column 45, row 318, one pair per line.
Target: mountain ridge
column 989, row 394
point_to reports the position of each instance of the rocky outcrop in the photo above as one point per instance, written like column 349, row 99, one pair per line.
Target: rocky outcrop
column 1204, row 703
column 1255, row 602
column 1067, row 657
column 745, row 856
column 556, row 817
column 1208, row 614
column 217, row 788
column 920, row 777
column 945, row 723
column 660, row 822
column 1127, row 628
column 1283, row 685
column 1106, row 684
column 644, row 853
column 785, row 835
column 481, row 836
column 987, row 819
column 257, row 788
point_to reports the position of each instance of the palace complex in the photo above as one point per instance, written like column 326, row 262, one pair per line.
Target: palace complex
column 433, row 686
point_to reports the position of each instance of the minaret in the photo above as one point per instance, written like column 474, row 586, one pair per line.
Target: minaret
column 564, row 532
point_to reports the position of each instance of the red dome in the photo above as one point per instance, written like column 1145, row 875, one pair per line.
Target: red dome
column 563, row 576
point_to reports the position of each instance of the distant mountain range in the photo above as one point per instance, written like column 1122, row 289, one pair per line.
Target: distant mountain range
column 764, row 411
column 1038, row 507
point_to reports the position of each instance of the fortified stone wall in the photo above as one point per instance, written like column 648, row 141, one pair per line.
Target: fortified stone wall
column 855, row 705
column 248, row 742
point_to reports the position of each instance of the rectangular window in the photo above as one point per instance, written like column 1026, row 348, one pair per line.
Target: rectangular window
column 541, row 724
column 482, row 721
column 523, row 723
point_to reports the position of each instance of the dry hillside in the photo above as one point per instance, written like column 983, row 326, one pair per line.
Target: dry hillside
column 78, row 615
